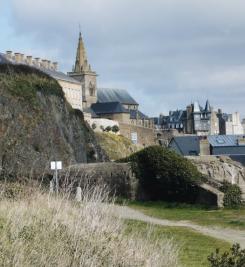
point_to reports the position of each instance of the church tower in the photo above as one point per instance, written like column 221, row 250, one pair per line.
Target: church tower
column 82, row 72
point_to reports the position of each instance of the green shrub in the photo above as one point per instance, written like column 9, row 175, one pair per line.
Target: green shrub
column 25, row 81
column 115, row 129
column 165, row 175
column 233, row 195
column 94, row 126
column 233, row 258
column 108, row 129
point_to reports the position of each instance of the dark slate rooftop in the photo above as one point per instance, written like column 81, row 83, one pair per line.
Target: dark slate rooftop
column 177, row 116
column 108, row 108
column 187, row 143
column 135, row 113
column 3, row 60
column 224, row 140
column 115, row 95
column 54, row 74
column 89, row 110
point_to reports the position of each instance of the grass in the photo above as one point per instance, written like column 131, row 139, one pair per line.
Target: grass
column 24, row 82
column 231, row 218
column 44, row 230
column 194, row 247
column 116, row 146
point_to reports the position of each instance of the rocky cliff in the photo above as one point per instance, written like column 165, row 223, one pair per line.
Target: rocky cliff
column 37, row 125
column 221, row 168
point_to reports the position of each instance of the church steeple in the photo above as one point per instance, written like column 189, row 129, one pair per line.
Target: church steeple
column 81, row 63
column 83, row 73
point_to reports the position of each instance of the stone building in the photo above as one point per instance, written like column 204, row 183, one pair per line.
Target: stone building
column 109, row 103
column 193, row 120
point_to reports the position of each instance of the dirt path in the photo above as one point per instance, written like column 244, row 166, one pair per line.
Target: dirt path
column 230, row 235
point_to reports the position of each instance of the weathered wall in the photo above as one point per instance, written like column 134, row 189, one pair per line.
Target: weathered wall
column 117, row 176
column 121, row 181
column 146, row 136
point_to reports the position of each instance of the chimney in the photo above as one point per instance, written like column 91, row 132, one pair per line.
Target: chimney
column 48, row 64
column 55, row 66
column 29, row 60
column 44, row 63
column 9, row 55
column 37, row 62
column 21, row 58
column 17, row 57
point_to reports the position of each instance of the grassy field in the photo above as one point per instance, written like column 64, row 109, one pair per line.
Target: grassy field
column 194, row 247
column 224, row 217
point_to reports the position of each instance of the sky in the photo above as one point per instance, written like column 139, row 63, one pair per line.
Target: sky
column 166, row 53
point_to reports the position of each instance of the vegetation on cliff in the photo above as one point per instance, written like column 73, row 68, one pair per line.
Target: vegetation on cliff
column 116, row 146
column 37, row 125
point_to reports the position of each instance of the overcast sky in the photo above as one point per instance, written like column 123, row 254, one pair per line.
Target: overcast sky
column 166, row 53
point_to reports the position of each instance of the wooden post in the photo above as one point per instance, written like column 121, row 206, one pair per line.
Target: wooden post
column 79, row 194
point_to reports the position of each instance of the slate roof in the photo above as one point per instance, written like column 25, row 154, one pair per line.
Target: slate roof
column 3, row 60
column 224, row 140
column 89, row 110
column 115, row 95
column 186, row 144
column 54, row 74
column 177, row 116
column 108, row 108
column 135, row 113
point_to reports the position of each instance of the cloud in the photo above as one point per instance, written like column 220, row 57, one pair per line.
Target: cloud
column 166, row 53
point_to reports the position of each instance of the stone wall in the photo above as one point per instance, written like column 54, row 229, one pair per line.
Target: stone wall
column 118, row 177
column 145, row 135
column 121, row 181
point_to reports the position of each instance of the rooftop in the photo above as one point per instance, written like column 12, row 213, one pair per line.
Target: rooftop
column 106, row 95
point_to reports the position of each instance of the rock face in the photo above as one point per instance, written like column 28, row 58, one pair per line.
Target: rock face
column 220, row 169
column 37, row 125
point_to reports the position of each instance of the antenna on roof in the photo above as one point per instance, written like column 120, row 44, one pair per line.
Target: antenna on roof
column 80, row 31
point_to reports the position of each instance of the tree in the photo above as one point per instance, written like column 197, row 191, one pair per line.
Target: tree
column 108, row 129
column 115, row 129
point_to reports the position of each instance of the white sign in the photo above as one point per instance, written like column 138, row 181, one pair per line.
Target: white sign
column 56, row 165
column 134, row 138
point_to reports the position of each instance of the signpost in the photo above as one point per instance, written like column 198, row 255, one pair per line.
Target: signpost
column 56, row 165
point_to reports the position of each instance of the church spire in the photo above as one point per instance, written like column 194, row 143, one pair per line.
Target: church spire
column 81, row 63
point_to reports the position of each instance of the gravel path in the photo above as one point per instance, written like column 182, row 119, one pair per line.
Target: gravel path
column 227, row 234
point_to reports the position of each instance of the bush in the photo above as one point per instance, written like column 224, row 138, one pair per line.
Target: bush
column 115, row 129
column 165, row 175
column 233, row 258
column 233, row 195
column 94, row 126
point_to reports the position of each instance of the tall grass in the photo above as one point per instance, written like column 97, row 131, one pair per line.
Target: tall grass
column 43, row 230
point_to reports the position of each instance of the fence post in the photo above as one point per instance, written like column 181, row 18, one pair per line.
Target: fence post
column 51, row 186
column 79, row 194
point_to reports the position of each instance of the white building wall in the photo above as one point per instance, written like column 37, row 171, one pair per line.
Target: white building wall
column 234, row 126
